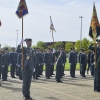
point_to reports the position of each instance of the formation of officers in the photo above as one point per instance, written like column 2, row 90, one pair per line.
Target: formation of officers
column 49, row 59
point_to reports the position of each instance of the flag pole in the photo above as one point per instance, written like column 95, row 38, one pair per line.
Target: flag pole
column 52, row 37
column 22, row 48
column 95, row 54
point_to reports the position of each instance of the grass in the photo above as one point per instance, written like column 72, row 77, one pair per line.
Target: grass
column 67, row 67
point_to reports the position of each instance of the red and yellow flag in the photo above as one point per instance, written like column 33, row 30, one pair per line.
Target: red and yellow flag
column 94, row 31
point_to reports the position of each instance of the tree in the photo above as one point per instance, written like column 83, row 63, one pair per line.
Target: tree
column 9, row 48
column 33, row 47
column 58, row 44
column 85, row 44
column 41, row 45
column 77, row 45
column 68, row 45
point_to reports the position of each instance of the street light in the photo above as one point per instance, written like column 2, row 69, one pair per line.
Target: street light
column 17, row 39
column 81, row 33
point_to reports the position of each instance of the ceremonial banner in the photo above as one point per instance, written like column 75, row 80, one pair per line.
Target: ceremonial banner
column 22, row 9
column 51, row 25
column 0, row 23
column 94, row 31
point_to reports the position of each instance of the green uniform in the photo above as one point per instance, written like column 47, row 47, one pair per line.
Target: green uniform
column 29, row 65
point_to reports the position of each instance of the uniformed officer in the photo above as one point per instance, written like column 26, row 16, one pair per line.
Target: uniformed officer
column 1, row 62
column 5, row 65
column 92, row 63
column 88, row 61
column 73, row 62
column 83, row 62
column 97, row 67
column 79, row 59
column 19, row 63
column 29, row 65
column 64, row 57
column 48, row 62
column 59, row 64
column 53, row 62
column 42, row 62
column 13, row 63
column 38, row 63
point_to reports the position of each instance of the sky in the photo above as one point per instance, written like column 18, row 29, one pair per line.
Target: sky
column 65, row 16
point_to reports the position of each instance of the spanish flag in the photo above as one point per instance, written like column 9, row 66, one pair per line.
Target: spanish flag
column 22, row 9
column 51, row 25
column 94, row 31
column 0, row 23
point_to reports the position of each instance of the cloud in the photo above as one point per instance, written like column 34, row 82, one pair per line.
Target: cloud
column 71, row 3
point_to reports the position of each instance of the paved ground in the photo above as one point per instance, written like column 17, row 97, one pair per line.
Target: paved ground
column 43, row 89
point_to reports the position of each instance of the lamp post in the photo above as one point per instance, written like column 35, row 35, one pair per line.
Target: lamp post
column 81, row 33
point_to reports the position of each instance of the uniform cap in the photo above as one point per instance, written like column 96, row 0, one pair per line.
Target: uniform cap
column 98, row 40
column 5, row 49
column 28, row 39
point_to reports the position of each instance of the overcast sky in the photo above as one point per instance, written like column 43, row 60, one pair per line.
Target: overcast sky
column 65, row 15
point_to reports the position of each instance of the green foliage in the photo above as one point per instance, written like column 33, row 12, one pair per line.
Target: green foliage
column 41, row 45
column 33, row 47
column 9, row 48
column 68, row 45
column 58, row 44
column 77, row 45
column 85, row 44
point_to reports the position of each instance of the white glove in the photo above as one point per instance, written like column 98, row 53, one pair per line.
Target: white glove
column 3, row 66
column 34, row 70
column 10, row 64
column 63, row 64
column 81, row 64
column 54, row 50
column 22, row 40
column 18, row 65
column 70, row 64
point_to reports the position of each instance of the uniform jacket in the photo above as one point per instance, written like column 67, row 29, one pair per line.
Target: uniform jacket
column 73, row 58
column 48, row 58
column 83, row 59
column 19, row 59
column 13, row 58
column 31, row 60
column 61, row 59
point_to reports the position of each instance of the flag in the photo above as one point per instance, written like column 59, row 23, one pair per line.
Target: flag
column 51, row 25
column 94, row 31
column 0, row 23
column 22, row 9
